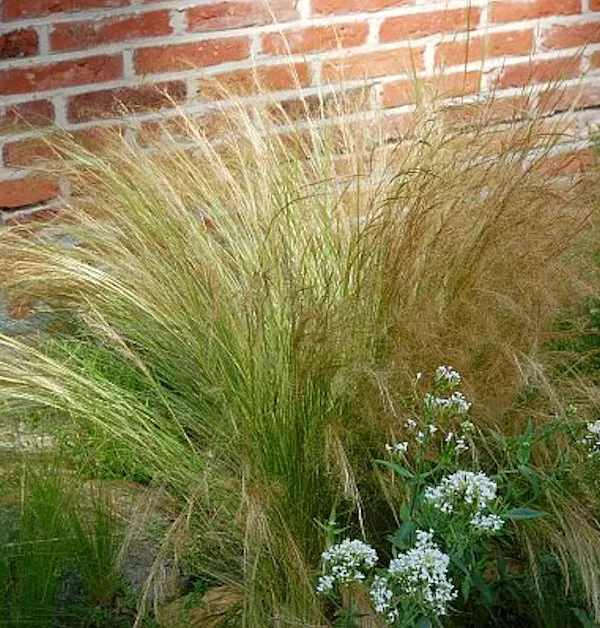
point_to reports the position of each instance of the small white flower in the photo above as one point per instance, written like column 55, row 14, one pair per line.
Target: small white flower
column 486, row 523
column 449, row 437
column 432, row 429
column 345, row 563
column 410, row 424
column 456, row 403
column 422, row 574
column 592, row 439
column 420, row 438
column 381, row 595
column 461, row 445
column 419, row 376
column 473, row 489
column 594, row 427
column 325, row 584
column 398, row 449
column 448, row 375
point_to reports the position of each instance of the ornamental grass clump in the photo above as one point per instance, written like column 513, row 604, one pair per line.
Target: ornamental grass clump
column 241, row 319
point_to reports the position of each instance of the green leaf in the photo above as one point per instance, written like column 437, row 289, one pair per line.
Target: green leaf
column 396, row 468
column 525, row 513
column 465, row 588
column 585, row 620
column 423, row 622
column 401, row 539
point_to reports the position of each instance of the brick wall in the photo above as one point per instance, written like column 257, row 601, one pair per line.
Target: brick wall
column 72, row 62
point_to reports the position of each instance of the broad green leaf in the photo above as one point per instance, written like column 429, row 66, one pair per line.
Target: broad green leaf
column 396, row 468
column 423, row 622
column 525, row 513
column 583, row 617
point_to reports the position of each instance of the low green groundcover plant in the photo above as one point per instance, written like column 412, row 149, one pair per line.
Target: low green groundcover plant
column 453, row 553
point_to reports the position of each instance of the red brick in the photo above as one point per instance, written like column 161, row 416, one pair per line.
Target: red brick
column 398, row 125
column 352, row 6
column 424, row 24
column 266, row 77
column 14, row 9
column 42, row 216
column 315, row 38
column 595, row 61
column 571, row 36
column 515, row 10
column 568, row 163
column 373, row 64
column 61, row 74
column 26, row 153
column 19, row 43
column 505, row 109
column 22, row 307
column 16, row 193
column 407, row 91
column 91, row 33
column 36, row 113
column 30, row 152
column 595, row 5
column 564, row 98
column 112, row 103
column 547, row 71
column 317, row 106
column 239, row 13
column 188, row 56
column 513, row 43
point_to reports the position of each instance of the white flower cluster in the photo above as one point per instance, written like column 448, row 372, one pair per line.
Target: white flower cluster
column 448, row 375
column 420, row 574
column 345, row 563
column 475, row 490
column 381, row 596
column 456, row 402
column 398, row 449
column 486, row 523
column 461, row 439
column 592, row 439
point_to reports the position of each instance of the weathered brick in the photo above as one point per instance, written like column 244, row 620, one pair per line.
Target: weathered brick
column 15, row 193
column 61, row 74
column 352, row 6
column 239, row 13
column 19, row 43
column 571, row 35
column 269, row 78
column 515, row 10
column 26, row 153
column 112, row 103
column 21, row 307
column 35, row 113
column 562, row 98
column 403, row 60
column 188, row 56
column 91, row 33
column 595, row 61
column 14, row 9
column 407, row 91
column 595, row 5
column 498, row 109
column 545, row 71
column 512, row 43
column 315, row 38
column 568, row 163
column 431, row 23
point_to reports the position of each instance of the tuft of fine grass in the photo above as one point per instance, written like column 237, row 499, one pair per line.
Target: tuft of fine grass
column 246, row 314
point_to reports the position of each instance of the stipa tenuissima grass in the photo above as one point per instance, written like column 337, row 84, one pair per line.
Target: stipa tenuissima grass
column 243, row 314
